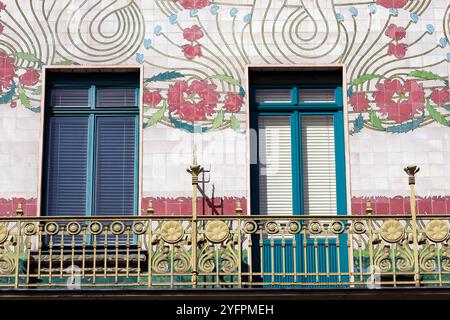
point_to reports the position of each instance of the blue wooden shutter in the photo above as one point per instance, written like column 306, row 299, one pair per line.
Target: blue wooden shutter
column 67, row 166
column 115, row 165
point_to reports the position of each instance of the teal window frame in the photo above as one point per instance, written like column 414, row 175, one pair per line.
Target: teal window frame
column 91, row 112
column 296, row 110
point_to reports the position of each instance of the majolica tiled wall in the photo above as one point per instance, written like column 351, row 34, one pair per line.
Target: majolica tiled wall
column 396, row 53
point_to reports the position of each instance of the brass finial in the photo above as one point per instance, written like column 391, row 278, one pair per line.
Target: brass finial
column 238, row 207
column 19, row 210
column 150, row 209
column 369, row 209
column 411, row 171
column 194, row 168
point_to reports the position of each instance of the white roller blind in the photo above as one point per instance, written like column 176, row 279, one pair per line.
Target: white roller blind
column 273, row 95
column 316, row 95
column 318, row 165
column 275, row 176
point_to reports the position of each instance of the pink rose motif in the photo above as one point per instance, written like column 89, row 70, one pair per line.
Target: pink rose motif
column 395, row 33
column 190, row 51
column 440, row 97
column 399, row 102
column 193, row 33
column 13, row 104
column 396, row 4
column 30, row 77
column 398, row 50
column 2, row 6
column 2, row 28
column 152, row 98
column 193, row 4
column 7, row 71
column 233, row 102
column 193, row 102
column 359, row 102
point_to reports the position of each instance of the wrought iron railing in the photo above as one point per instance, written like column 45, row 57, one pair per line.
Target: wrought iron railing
column 226, row 251
column 232, row 251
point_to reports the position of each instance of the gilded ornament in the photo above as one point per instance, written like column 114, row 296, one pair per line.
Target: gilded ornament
column 337, row 227
column 359, row 227
column 172, row 231
column 95, row 227
column 315, row 227
column 250, row 227
column 437, row 230
column 29, row 229
column 271, row 227
column 139, row 228
column 294, row 227
column 73, row 228
column 51, row 228
column 117, row 227
column 3, row 233
column 216, row 231
column 392, row 231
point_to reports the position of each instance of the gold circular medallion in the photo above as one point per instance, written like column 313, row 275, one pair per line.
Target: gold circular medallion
column 51, row 228
column 29, row 229
column 392, row 231
column 358, row 227
column 172, row 231
column 117, row 227
column 139, row 228
column 216, row 231
column 315, row 227
column 73, row 228
column 437, row 230
column 337, row 227
column 271, row 227
column 294, row 227
column 3, row 233
column 95, row 227
column 250, row 227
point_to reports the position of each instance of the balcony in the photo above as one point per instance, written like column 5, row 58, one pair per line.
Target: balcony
column 233, row 252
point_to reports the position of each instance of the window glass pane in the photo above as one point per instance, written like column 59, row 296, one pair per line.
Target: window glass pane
column 318, row 165
column 275, row 165
column 316, row 95
column 115, row 165
column 74, row 97
column 116, row 97
column 67, row 165
column 273, row 95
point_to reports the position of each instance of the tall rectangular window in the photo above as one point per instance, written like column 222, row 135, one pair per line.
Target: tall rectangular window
column 91, row 145
column 300, row 168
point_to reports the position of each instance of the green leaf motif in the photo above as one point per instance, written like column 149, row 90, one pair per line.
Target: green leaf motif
column 235, row 123
column 8, row 95
column 436, row 115
column 218, row 120
column 156, row 117
column 164, row 76
column 226, row 78
column 376, row 122
column 25, row 56
column 426, row 75
column 366, row 77
column 23, row 98
column 66, row 63
column 358, row 124
column 37, row 91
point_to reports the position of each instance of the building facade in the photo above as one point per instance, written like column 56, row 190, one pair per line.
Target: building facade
column 364, row 82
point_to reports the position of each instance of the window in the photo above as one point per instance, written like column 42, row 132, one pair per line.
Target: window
column 91, row 144
column 300, row 166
